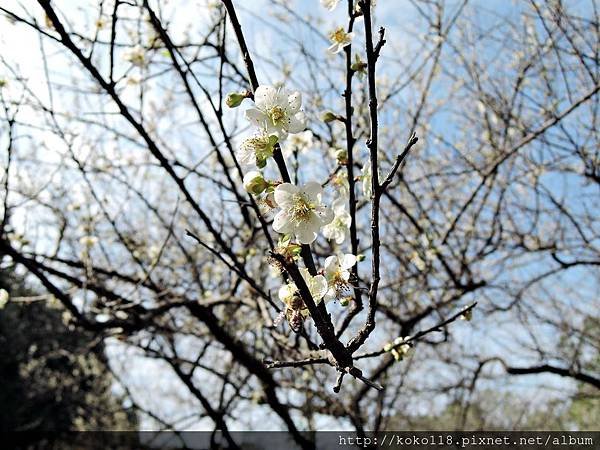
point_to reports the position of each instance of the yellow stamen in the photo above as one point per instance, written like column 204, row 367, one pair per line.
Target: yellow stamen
column 301, row 209
column 277, row 115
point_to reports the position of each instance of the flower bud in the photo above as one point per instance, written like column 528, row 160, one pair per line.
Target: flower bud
column 360, row 257
column 254, row 182
column 344, row 301
column 341, row 155
column 328, row 116
column 3, row 298
column 88, row 241
column 358, row 65
column 235, row 99
column 468, row 315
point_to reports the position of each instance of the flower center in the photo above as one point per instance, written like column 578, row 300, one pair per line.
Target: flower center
column 277, row 115
column 337, row 277
column 339, row 284
column 301, row 209
column 339, row 36
column 258, row 143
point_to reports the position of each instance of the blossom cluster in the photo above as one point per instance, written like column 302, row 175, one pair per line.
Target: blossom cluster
column 399, row 348
column 300, row 211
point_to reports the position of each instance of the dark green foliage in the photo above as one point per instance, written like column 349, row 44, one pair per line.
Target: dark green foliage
column 53, row 377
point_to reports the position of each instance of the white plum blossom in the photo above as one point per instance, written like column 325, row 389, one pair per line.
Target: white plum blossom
column 337, row 274
column 136, row 56
column 337, row 229
column 302, row 212
column 366, row 179
column 295, row 309
column 298, row 142
column 256, row 149
column 340, row 183
column 339, row 39
column 302, row 140
column 317, row 285
column 330, row 4
column 277, row 111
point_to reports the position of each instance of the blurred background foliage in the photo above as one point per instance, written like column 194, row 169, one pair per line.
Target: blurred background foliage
column 53, row 376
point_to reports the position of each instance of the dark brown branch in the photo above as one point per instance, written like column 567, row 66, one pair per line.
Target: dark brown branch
column 342, row 358
column 357, row 306
column 372, row 145
column 546, row 368
column 300, row 363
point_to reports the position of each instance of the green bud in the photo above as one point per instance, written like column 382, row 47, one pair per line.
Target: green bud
column 328, row 116
column 235, row 99
column 255, row 183
column 360, row 257
column 344, row 301
column 2, row 83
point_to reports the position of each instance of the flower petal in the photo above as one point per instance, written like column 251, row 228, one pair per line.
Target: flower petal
column 330, row 264
column 280, row 133
column 282, row 223
column 313, row 191
column 296, row 123
column 348, row 260
column 294, row 102
column 325, row 215
column 318, row 287
column 339, row 205
column 345, row 219
column 265, row 96
column 334, row 48
column 256, row 117
column 330, row 4
column 284, row 194
column 306, row 235
column 245, row 155
column 328, row 231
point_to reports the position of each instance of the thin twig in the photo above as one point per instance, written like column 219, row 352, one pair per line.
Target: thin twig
column 399, row 162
